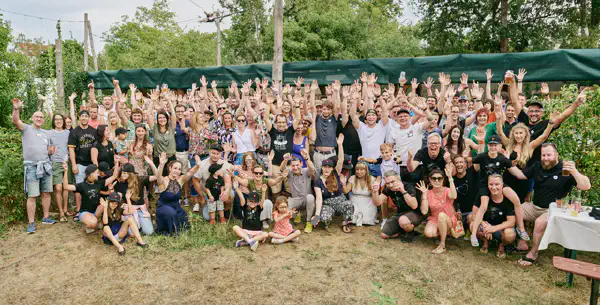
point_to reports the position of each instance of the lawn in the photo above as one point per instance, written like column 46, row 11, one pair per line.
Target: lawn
column 61, row 264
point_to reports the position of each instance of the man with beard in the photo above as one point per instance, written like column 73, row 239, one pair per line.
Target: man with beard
column 81, row 140
column 403, row 197
column 325, row 129
column 372, row 134
column 550, row 185
column 467, row 188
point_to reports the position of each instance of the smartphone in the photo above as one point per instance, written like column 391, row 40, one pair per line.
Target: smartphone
column 402, row 75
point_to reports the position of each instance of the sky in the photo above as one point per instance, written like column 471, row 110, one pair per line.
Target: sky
column 102, row 14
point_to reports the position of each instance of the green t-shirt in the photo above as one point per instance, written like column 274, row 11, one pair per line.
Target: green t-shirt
column 490, row 130
column 252, row 187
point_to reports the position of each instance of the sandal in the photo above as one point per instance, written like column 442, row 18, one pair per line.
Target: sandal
column 142, row 245
column 122, row 253
column 63, row 219
column 315, row 220
column 524, row 258
column 346, row 228
column 76, row 217
column 69, row 214
column 483, row 250
column 500, row 254
column 523, row 235
column 438, row 250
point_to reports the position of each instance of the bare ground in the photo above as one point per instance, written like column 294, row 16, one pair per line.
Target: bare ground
column 60, row 264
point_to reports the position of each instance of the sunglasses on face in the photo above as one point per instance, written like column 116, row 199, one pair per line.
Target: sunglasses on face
column 222, row 108
column 258, row 173
column 241, row 121
column 437, row 178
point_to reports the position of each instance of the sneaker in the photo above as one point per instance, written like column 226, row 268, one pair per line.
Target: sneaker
column 186, row 203
column 240, row 243
column 196, row 208
column 296, row 239
column 89, row 231
column 298, row 218
column 222, row 220
column 383, row 223
column 254, row 245
column 276, row 241
column 31, row 228
column 474, row 241
column 308, row 227
column 48, row 221
column 265, row 224
column 212, row 222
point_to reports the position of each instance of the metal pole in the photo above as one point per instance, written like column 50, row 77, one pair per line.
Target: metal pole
column 85, row 42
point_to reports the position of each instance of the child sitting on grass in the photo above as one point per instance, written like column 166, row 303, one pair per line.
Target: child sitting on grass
column 252, row 206
column 115, row 229
column 283, row 230
column 214, row 187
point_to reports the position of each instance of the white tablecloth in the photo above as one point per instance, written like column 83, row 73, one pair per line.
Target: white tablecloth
column 576, row 233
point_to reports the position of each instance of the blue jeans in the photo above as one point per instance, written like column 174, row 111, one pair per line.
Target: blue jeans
column 146, row 226
column 375, row 170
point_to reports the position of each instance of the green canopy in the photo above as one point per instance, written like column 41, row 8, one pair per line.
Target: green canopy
column 555, row 65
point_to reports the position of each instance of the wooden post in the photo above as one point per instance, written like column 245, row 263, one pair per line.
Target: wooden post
column 60, row 86
column 218, row 24
column 504, row 20
column 89, row 24
column 85, row 42
column 277, row 72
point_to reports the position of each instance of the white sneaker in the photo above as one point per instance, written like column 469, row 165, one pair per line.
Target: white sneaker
column 296, row 239
column 89, row 231
column 383, row 223
column 196, row 208
column 265, row 224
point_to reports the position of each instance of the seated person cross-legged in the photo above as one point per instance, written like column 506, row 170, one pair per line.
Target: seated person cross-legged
column 407, row 216
column 499, row 218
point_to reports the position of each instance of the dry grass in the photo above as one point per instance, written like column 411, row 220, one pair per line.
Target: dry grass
column 60, row 264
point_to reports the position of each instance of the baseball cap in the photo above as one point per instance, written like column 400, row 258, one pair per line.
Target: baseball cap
column 216, row 147
column 120, row 130
column 463, row 97
column 371, row 111
column 213, row 168
column 253, row 196
column 318, row 103
column 402, row 110
column 347, row 162
column 105, row 168
column 535, row 103
column 82, row 112
column 495, row 139
column 128, row 168
column 328, row 162
column 114, row 196
column 90, row 169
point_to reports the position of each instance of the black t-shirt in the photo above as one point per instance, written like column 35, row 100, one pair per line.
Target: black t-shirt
column 467, row 189
column 83, row 140
column 214, row 186
column 122, row 187
column 489, row 166
column 281, row 143
column 549, row 185
column 106, row 153
column 351, row 141
column 429, row 164
column 114, row 219
column 251, row 219
column 326, row 194
column 398, row 198
column 497, row 212
column 535, row 131
column 90, row 195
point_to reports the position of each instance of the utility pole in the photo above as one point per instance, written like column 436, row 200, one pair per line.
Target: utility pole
column 277, row 72
column 504, row 31
column 216, row 17
column 85, row 42
column 89, row 25
column 60, row 78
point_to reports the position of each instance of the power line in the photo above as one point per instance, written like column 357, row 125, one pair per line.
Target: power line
column 196, row 4
column 38, row 17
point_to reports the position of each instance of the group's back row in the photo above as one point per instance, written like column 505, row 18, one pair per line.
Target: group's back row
column 452, row 159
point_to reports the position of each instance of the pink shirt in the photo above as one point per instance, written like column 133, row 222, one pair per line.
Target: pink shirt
column 283, row 227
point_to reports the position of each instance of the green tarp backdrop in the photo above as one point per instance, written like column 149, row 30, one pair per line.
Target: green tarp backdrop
column 556, row 65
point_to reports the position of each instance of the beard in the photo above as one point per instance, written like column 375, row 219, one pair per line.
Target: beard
column 546, row 165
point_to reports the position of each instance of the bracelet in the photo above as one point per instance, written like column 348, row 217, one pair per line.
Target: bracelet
column 404, row 193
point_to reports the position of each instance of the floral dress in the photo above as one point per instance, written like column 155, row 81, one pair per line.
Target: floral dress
column 137, row 159
column 200, row 141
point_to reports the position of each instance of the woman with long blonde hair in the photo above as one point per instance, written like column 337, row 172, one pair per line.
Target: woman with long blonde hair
column 365, row 212
column 113, row 123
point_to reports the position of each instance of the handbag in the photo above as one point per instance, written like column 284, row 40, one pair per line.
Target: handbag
column 458, row 230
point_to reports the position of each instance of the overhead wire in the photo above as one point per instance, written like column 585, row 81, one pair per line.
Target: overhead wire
column 38, row 17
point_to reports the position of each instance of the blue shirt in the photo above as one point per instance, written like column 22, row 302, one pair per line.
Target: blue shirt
column 181, row 138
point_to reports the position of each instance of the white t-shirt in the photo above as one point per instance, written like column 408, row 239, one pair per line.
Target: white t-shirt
column 203, row 173
column 371, row 139
column 405, row 139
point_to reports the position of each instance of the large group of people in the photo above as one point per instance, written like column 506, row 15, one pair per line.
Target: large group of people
column 458, row 159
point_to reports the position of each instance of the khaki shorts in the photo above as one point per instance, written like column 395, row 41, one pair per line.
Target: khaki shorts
column 531, row 212
column 57, row 173
column 185, row 163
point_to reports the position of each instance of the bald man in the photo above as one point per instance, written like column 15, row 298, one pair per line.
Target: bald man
column 37, row 166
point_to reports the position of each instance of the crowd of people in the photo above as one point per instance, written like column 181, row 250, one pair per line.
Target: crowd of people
column 462, row 160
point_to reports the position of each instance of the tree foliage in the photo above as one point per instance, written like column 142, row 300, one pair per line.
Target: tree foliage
column 456, row 26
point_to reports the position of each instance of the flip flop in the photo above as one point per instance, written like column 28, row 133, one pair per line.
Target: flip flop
column 438, row 250
column 524, row 258
column 315, row 220
column 523, row 235
column 483, row 250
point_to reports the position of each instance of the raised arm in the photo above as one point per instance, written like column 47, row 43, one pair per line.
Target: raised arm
column 66, row 185
column 354, row 115
column 571, row 109
column 17, row 105
column 340, row 154
column 488, row 86
column 91, row 92
column 72, row 108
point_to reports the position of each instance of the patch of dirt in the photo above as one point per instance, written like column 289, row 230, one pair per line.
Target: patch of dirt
column 62, row 265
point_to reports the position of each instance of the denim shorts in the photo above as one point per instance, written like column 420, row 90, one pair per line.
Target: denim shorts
column 34, row 185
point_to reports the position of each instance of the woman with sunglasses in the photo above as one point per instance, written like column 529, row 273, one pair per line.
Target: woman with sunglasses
column 256, row 185
column 225, row 131
column 440, row 201
column 249, row 176
column 244, row 139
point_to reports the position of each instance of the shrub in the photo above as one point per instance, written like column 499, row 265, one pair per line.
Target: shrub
column 12, row 197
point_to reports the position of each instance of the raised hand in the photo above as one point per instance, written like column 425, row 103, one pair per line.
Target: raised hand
column 371, row 79
column 545, row 90
column 428, row 83
column 345, row 92
column 72, row 96
column 314, row 86
column 421, row 186
column 91, row 85
column 477, row 91
column 299, row 82
column 163, row 158
column 581, row 97
column 203, row 81
column 197, row 159
column 363, row 77
column 391, row 89
column 287, row 157
column 521, row 75
column 271, row 155
column 449, row 169
column 414, row 84
column 488, row 74
column 213, row 84
column 17, row 104
column 376, row 90
column 115, row 82
column 340, row 139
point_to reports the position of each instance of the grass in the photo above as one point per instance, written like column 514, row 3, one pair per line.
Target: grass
column 200, row 234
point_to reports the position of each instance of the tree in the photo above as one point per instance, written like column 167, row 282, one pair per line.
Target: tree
column 456, row 26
